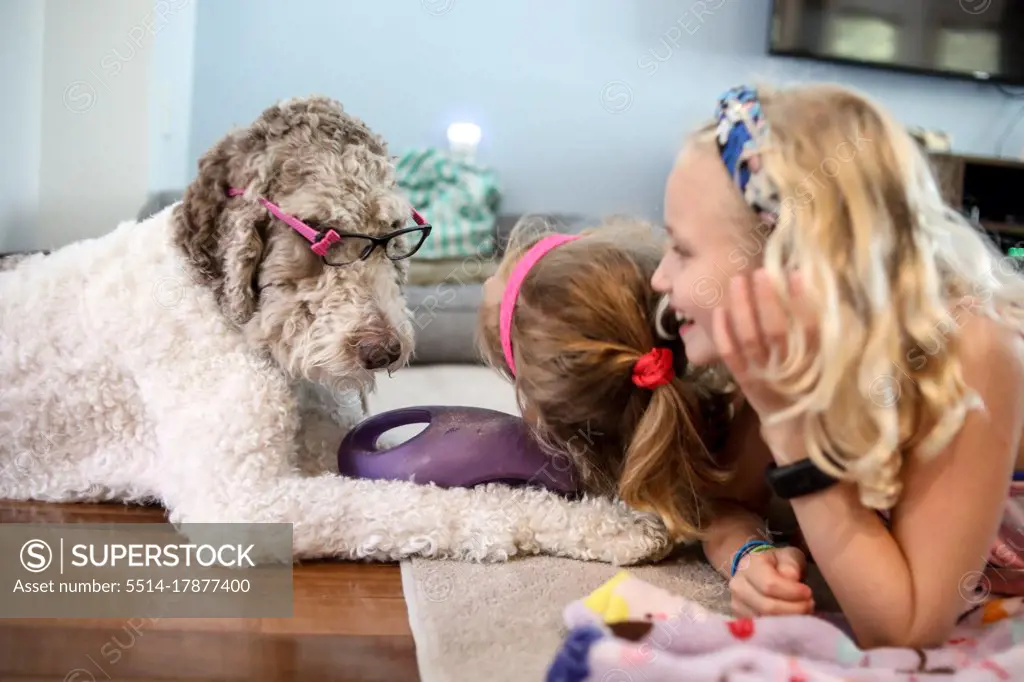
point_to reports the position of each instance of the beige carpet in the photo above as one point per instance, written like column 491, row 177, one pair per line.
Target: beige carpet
column 504, row 621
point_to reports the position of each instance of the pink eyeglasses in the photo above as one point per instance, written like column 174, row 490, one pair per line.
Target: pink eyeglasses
column 343, row 248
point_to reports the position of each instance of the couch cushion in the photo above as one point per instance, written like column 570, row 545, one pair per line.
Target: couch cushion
column 451, row 270
column 444, row 322
column 158, row 201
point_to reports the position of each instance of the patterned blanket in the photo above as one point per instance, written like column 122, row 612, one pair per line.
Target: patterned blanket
column 630, row 631
column 458, row 197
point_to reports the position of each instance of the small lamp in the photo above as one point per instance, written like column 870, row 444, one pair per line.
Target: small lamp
column 463, row 139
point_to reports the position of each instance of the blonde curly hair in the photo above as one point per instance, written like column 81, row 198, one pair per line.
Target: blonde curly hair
column 886, row 265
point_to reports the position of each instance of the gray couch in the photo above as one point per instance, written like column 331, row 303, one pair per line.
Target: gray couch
column 444, row 310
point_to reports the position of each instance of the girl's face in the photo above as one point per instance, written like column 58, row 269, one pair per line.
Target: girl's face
column 706, row 220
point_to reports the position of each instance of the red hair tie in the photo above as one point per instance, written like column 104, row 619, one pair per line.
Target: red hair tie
column 654, row 368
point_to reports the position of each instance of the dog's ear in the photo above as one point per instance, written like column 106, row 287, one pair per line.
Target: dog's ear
column 220, row 235
column 241, row 253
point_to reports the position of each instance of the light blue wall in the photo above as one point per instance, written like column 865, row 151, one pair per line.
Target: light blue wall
column 532, row 74
column 170, row 94
column 21, row 72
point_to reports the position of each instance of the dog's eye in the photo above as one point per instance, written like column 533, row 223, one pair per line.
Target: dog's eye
column 396, row 225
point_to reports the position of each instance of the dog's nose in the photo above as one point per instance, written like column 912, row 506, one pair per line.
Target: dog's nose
column 379, row 352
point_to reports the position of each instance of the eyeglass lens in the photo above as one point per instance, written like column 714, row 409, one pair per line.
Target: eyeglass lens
column 348, row 250
column 404, row 245
column 352, row 249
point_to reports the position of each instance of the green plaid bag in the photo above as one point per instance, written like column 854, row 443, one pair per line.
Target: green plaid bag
column 458, row 197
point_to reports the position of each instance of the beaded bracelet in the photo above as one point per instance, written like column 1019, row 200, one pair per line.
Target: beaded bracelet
column 750, row 547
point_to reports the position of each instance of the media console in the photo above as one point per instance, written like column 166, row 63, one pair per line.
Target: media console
column 989, row 191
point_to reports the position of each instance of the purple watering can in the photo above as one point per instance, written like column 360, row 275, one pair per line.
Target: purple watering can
column 460, row 447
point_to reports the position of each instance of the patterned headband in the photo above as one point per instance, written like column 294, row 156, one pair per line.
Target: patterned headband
column 742, row 132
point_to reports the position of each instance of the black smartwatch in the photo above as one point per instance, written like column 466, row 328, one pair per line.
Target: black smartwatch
column 797, row 479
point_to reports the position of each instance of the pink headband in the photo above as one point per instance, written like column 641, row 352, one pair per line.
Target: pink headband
column 515, row 280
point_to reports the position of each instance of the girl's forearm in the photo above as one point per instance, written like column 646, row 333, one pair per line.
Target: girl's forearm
column 733, row 526
column 864, row 568
column 858, row 557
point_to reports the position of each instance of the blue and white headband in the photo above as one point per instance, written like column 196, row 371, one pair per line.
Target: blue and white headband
column 742, row 131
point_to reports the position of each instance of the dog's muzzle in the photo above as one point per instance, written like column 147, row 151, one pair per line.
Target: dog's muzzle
column 379, row 350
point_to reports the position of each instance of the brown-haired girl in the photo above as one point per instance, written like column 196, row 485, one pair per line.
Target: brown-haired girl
column 571, row 321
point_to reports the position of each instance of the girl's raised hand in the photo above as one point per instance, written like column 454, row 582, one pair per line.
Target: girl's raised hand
column 752, row 324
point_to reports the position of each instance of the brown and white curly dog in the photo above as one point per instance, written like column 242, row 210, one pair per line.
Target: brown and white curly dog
column 211, row 359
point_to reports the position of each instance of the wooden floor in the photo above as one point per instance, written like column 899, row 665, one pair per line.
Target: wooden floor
column 349, row 624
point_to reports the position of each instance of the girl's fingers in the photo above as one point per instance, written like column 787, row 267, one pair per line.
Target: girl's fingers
column 741, row 605
column 725, row 342
column 803, row 308
column 757, row 604
column 746, row 326
column 791, row 563
column 775, row 323
column 772, row 584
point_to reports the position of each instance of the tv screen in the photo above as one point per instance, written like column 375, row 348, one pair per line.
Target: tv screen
column 969, row 39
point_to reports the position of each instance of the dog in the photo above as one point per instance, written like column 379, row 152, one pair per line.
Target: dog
column 211, row 358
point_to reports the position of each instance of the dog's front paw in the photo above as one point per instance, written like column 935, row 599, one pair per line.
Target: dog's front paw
column 626, row 537
column 599, row 529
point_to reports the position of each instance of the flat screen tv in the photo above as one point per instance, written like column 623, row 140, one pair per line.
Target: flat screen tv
column 963, row 39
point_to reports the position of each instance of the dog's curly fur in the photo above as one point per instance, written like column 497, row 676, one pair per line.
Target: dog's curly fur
column 205, row 359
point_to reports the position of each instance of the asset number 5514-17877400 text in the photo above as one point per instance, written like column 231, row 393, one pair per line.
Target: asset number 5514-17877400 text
column 181, row 585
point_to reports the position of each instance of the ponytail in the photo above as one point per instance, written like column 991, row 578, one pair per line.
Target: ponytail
column 583, row 335
column 668, row 466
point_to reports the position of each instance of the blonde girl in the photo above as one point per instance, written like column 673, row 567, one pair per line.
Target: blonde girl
column 876, row 338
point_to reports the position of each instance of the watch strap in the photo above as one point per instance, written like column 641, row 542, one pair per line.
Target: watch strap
column 797, row 479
